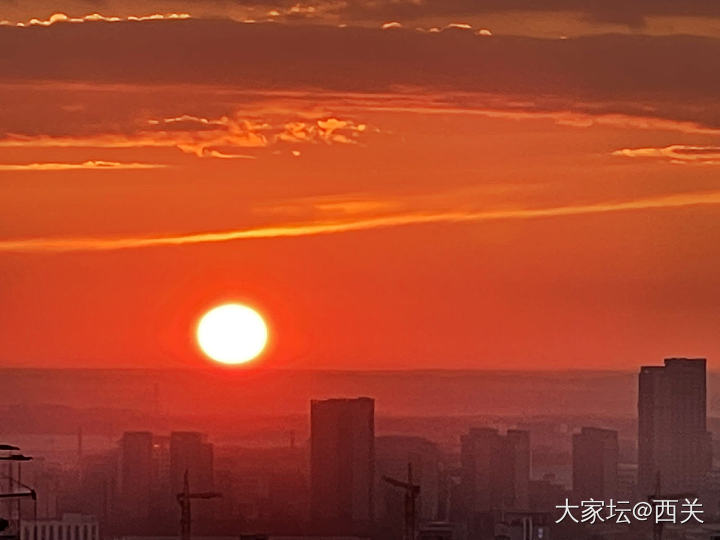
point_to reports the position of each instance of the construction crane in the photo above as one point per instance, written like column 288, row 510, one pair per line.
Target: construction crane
column 11, row 454
column 412, row 491
column 183, row 500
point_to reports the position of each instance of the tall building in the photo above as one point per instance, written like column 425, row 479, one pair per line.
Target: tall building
column 342, row 462
column 136, row 474
column 673, row 441
column 547, row 494
column 393, row 454
column 495, row 470
column 595, row 464
column 190, row 452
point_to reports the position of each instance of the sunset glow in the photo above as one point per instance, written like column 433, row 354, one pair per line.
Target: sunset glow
column 383, row 177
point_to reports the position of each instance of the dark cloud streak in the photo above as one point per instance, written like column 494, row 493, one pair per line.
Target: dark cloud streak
column 674, row 77
column 631, row 13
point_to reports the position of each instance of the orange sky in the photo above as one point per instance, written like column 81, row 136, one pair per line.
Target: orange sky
column 395, row 198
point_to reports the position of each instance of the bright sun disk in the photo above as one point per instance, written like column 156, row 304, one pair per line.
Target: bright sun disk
column 232, row 334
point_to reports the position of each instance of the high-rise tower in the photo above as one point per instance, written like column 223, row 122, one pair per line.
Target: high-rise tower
column 673, row 441
column 342, row 461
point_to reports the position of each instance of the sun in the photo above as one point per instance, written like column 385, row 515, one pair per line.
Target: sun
column 232, row 333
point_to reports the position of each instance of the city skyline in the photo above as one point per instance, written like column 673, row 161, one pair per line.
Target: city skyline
column 341, row 476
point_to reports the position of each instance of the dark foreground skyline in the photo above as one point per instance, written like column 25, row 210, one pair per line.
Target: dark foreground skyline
column 342, row 469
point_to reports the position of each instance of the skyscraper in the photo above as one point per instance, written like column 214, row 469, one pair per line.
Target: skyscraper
column 190, row 452
column 136, row 468
column 673, row 441
column 342, row 461
column 495, row 470
column 595, row 464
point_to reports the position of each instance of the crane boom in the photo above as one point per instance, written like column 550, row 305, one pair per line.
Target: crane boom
column 183, row 499
column 411, row 494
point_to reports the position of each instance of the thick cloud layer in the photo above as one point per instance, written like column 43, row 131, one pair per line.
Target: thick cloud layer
column 673, row 77
column 632, row 14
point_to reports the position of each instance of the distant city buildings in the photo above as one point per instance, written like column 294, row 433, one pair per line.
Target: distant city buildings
column 674, row 449
column 595, row 464
column 495, row 470
column 346, row 482
column 342, row 462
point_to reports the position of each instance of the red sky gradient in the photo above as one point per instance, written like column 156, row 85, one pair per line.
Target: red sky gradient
column 421, row 196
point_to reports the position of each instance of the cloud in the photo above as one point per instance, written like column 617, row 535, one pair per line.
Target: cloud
column 676, row 153
column 607, row 14
column 95, row 17
column 85, row 165
column 580, row 115
column 458, row 26
column 313, row 228
column 633, row 14
column 221, row 137
column 593, row 75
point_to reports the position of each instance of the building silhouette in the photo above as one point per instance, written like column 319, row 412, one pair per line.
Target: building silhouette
column 674, row 448
column 136, row 468
column 393, row 454
column 190, row 452
column 595, row 464
column 495, row 470
column 342, row 457
column 70, row 526
column 546, row 494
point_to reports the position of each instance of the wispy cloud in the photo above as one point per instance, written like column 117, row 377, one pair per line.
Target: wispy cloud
column 71, row 244
column 677, row 153
column 582, row 116
column 85, row 165
column 222, row 137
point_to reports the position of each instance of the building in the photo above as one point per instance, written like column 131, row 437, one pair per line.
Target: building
column 96, row 494
column 393, row 454
column 524, row 526
column 191, row 453
column 674, row 446
column 342, row 462
column 495, row 470
column 546, row 494
column 595, row 464
column 136, row 474
column 437, row 530
column 70, row 527
column 627, row 482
